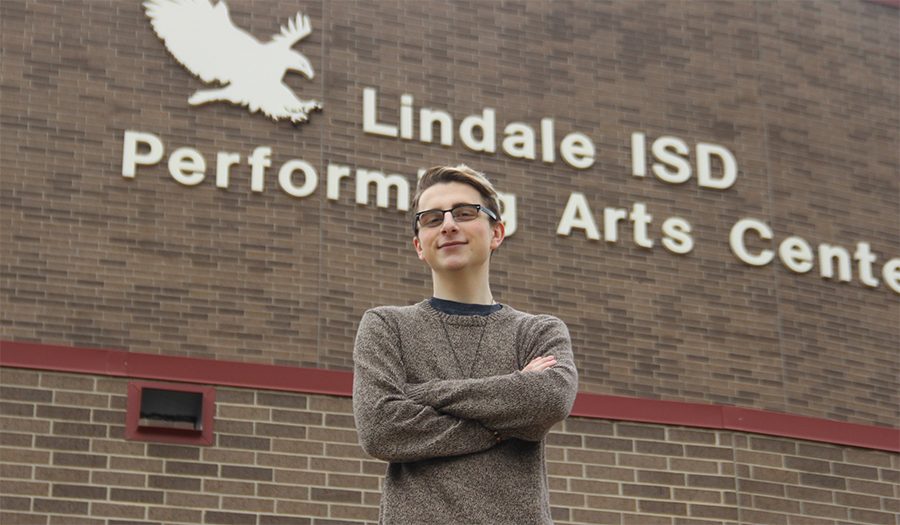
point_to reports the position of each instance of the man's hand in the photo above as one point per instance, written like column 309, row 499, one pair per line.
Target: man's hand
column 539, row 364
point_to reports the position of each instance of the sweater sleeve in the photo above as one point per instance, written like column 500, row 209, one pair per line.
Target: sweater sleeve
column 391, row 426
column 523, row 405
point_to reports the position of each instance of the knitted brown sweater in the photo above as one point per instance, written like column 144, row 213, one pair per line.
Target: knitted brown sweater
column 443, row 399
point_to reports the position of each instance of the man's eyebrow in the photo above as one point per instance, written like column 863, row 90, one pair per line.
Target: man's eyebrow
column 455, row 204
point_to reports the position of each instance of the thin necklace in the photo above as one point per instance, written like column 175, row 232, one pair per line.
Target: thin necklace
column 456, row 357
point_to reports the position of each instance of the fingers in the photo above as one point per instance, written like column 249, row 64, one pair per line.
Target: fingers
column 540, row 364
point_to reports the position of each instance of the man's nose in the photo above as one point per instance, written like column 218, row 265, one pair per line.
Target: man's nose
column 449, row 223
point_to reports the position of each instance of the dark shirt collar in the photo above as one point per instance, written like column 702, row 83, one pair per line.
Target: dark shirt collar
column 455, row 308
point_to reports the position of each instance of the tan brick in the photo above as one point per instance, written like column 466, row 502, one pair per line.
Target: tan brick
column 298, row 446
column 19, row 376
column 229, row 518
column 610, row 473
column 351, row 481
column 825, row 511
column 80, row 399
column 60, row 506
column 301, row 508
column 221, row 486
column 611, row 503
column 61, row 490
column 117, row 447
column 26, row 488
column 662, row 507
column 282, row 460
column 694, row 466
column 555, row 468
column 789, row 506
column 22, row 518
column 60, row 474
column 335, row 465
column 248, row 473
column 589, row 426
column 298, row 417
column 19, row 455
column 174, row 515
column 353, row 512
column 67, row 382
column 696, row 495
column 248, row 504
column 217, row 455
column 25, row 425
column 595, row 457
column 340, row 405
column 299, row 477
column 335, row 495
column 9, row 471
column 282, row 491
column 642, row 461
column 136, row 496
column 589, row 486
column 243, row 413
column 339, row 450
column 136, row 464
column 567, row 499
column 191, row 500
column 871, row 516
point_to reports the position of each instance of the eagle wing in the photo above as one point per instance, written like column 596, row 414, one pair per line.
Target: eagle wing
column 202, row 37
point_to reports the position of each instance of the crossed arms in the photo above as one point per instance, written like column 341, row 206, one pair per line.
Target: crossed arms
column 402, row 422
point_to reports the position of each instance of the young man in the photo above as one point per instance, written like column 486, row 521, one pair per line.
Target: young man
column 458, row 391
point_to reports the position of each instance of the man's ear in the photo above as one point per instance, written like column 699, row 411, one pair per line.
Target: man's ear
column 498, row 233
column 418, row 246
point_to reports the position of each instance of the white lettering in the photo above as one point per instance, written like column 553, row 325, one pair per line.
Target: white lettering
column 669, row 151
column 548, row 140
column 486, row 123
column 638, row 154
column 259, row 160
column 578, row 215
column 736, row 242
column 796, row 254
column 406, row 117
column 427, row 118
column 611, row 218
column 827, row 255
column 678, row 239
column 285, row 178
column 704, row 174
column 130, row 156
column 519, row 141
column 382, row 188
column 336, row 172
column 865, row 258
column 187, row 166
column 577, row 150
column 224, row 162
column 891, row 274
column 370, row 118
column 640, row 219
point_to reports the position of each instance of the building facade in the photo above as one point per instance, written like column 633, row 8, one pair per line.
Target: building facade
column 705, row 192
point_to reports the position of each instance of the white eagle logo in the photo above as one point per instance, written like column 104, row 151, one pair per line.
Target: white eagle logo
column 202, row 37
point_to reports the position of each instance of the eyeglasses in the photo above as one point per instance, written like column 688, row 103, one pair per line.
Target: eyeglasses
column 460, row 213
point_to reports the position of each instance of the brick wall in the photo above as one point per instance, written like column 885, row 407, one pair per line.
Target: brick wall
column 290, row 458
column 803, row 93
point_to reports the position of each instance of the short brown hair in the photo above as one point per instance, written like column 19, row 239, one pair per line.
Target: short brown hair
column 463, row 174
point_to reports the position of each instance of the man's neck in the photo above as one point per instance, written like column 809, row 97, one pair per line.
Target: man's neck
column 463, row 288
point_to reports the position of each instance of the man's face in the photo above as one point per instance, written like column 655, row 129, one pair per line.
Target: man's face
column 452, row 245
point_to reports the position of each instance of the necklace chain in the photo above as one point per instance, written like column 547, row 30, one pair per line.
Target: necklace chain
column 456, row 357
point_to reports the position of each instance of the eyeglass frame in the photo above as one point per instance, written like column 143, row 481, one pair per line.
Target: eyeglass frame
column 479, row 207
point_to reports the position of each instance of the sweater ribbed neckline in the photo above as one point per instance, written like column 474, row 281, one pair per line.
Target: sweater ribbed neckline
column 465, row 320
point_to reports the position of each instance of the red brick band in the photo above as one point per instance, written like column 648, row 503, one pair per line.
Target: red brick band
column 117, row 363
